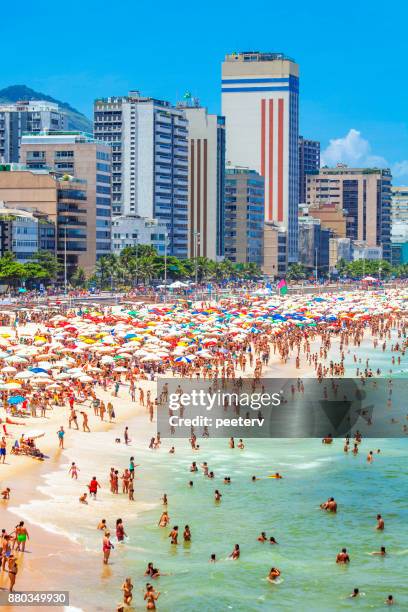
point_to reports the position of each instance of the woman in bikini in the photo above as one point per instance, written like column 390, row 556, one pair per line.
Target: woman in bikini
column 106, row 547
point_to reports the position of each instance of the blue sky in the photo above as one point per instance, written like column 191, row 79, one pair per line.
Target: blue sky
column 352, row 58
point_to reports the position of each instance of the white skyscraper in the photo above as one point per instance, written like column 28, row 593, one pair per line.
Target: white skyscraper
column 260, row 103
column 149, row 140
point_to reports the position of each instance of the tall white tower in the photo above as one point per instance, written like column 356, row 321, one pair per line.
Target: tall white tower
column 260, row 94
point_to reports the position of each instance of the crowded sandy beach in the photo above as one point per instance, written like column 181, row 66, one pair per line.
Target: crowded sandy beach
column 96, row 502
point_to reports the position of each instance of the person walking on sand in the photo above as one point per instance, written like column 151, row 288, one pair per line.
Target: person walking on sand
column 73, row 470
column 3, row 449
column 21, row 536
column 61, row 434
column 93, row 487
column 12, row 572
column 85, row 426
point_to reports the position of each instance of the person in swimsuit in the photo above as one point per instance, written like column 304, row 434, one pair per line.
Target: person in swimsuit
column 380, row 523
column 12, row 572
column 3, row 450
column 235, row 553
column 272, row 540
column 21, row 536
column 343, row 557
column 262, row 537
column 174, row 535
column 151, row 597
column 83, row 499
column 120, row 530
column 389, row 601
column 106, row 547
column 102, row 525
column 5, row 550
column 127, row 588
column 187, row 534
column 6, row 493
column 164, row 519
column 61, row 434
column 152, row 571
column 217, row 495
column 273, row 574
column 73, row 470
column 93, row 487
column 380, row 552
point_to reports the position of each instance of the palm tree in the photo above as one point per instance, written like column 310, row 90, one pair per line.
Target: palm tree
column 147, row 268
column 78, row 278
column 108, row 267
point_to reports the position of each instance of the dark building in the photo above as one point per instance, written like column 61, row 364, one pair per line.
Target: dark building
column 309, row 162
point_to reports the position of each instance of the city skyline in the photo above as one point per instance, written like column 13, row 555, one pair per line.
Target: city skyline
column 340, row 97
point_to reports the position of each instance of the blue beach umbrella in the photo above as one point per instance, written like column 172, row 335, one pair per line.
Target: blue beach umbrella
column 16, row 399
column 38, row 370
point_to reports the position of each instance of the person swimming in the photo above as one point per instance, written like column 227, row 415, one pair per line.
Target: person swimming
column 274, row 573
column 235, row 553
column 262, row 537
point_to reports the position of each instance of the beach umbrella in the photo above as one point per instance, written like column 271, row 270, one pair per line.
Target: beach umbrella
column 185, row 359
column 85, row 378
column 107, row 359
column 9, row 369
column 16, row 399
column 62, row 376
column 24, row 375
column 38, row 370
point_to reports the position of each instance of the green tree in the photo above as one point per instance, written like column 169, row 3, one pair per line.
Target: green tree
column 11, row 271
column 78, row 278
column 49, row 263
column 296, row 271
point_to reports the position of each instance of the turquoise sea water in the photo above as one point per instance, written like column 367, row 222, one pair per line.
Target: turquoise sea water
column 288, row 509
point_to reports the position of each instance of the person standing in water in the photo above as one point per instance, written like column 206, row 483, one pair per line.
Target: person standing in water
column 107, row 546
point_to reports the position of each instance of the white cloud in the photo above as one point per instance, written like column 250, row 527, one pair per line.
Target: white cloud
column 353, row 150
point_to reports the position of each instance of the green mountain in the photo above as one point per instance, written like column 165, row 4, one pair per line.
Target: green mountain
column 74, row 119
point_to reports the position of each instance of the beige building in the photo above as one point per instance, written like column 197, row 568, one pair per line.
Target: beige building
column 63, row 200
column 274, row 252
column 85, row 217
column 206, row 158
column 362, row 195
column 331, row 217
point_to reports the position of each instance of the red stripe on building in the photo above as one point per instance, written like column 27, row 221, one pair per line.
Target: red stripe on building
column 280, row 159
column 263, row 134
column 269, row 216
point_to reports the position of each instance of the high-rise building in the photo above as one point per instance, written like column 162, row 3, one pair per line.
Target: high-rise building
column 309, row 163
column 260, row 94
column 362, row 196
column 206, row 141
column 149, row 141
column 81, row 156
column 63, row 201
column 26, row 116
column 244, row 215
column 399, row 214
column 399, row 225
